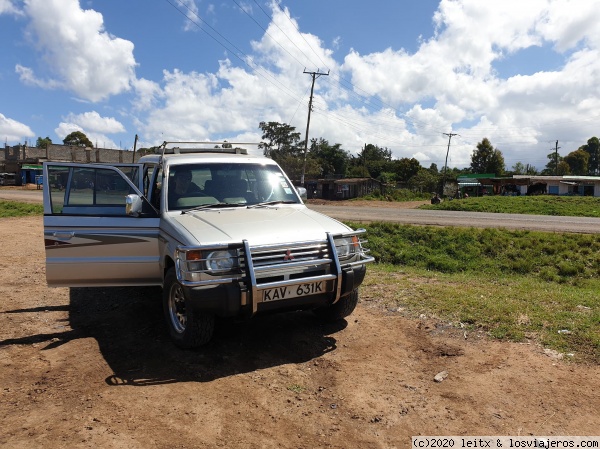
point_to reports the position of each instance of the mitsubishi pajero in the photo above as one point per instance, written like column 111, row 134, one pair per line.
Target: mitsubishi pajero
column 224, row 233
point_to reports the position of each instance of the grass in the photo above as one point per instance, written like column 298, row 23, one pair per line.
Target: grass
column 565, row 206
column 514, row 285
column 16, row 209
column 515, row 308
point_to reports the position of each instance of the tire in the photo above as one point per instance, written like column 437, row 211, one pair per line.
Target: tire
column 341, row 309
column 188, row 328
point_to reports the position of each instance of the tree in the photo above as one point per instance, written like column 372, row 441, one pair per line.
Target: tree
column 424, row 181
column 406, row 168
column 78, row 139
column 358, row 171
column 563, row 168
column 375, row 159
column 552, row 166
column 578, row 162
column 487, row 159
column 331, row 158
column 518, row 169
column 593, row 149
column 279, row 139
column 43, row 143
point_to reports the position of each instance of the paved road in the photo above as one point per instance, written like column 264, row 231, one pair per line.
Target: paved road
column 416, row 216
column 464, row 219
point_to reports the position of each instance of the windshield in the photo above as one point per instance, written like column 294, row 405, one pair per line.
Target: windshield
column 220, row 184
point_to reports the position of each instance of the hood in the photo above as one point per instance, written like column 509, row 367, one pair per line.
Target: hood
column 258, row 225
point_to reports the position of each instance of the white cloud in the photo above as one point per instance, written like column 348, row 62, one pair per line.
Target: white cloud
column 13, row 130
column 190, row 9
column 94, row 126
column 147, row 94
column 9, row 7
column 455, row 72
column 78, row 53
column 92, row 121
column 401, row 100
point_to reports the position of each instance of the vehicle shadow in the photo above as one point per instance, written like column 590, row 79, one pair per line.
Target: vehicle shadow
column 129, row 327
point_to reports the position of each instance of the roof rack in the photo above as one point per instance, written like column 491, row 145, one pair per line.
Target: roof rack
column 200, row 147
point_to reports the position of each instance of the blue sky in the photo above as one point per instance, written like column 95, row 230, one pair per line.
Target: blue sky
column 402, row 73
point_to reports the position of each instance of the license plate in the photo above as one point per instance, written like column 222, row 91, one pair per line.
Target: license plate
column 294, row 291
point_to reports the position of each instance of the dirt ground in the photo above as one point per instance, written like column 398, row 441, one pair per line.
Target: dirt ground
column 86, row 368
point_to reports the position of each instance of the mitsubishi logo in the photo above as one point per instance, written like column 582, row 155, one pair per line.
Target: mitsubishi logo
column 288, row 255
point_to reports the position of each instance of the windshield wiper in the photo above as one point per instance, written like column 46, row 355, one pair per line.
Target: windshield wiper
column 211, row 206
column 272, row 203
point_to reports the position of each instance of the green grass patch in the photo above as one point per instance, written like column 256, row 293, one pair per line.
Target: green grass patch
column 515, row 285
column 16, row 209
column 572, row 206
column 551, row 257
column 396, row 195
column 562, row 317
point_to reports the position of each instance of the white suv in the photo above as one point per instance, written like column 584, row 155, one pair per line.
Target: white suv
column 223, row 232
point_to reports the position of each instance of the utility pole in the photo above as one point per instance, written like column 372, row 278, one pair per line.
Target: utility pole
column 556, row 159
column 450, row 136
column 134, row 148
column 314, row 76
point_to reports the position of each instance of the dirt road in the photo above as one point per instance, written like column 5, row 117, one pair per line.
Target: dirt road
column 95, row 368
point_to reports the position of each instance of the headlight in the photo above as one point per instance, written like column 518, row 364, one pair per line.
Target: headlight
column 221, row 261
column 346, row 247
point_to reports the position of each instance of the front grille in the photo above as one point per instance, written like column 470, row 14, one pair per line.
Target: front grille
column 274, row 263
column 285, row 254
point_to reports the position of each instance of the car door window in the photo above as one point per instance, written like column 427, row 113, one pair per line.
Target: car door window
column 87, row 190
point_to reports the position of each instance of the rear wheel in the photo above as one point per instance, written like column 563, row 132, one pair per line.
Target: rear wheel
column 341, row 309
column 188, row 328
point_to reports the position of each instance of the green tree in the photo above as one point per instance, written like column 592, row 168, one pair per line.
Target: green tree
column 530, row 170
column 487, row 159
column 282, row 143
column 578, row 162
column 593, row 149
column 79, row 139
column 332, row 159
column 406, row 168
column 279, row 139
column 43, row 143
column 554, row 160
column 518, row 169
column 563, row 168
column 523, row 169
column 375, row 159
column 424, row 181
column 358, row 171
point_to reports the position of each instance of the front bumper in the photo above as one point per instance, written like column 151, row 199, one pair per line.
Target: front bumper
column 236, row 300
column 298, row 275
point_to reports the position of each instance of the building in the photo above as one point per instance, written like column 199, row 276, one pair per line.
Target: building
column 27, row 161
column 531, row 184
column 345, row 188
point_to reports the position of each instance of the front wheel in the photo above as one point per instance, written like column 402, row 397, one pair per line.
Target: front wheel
column 188, row 328
column 341, row 309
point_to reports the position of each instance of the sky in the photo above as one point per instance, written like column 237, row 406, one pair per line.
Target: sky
column 400, row 74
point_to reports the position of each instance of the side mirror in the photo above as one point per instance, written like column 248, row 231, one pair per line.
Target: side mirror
column 302, row 193
column 133, row 205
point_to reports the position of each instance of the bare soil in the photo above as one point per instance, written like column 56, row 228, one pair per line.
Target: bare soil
column 95, row 368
